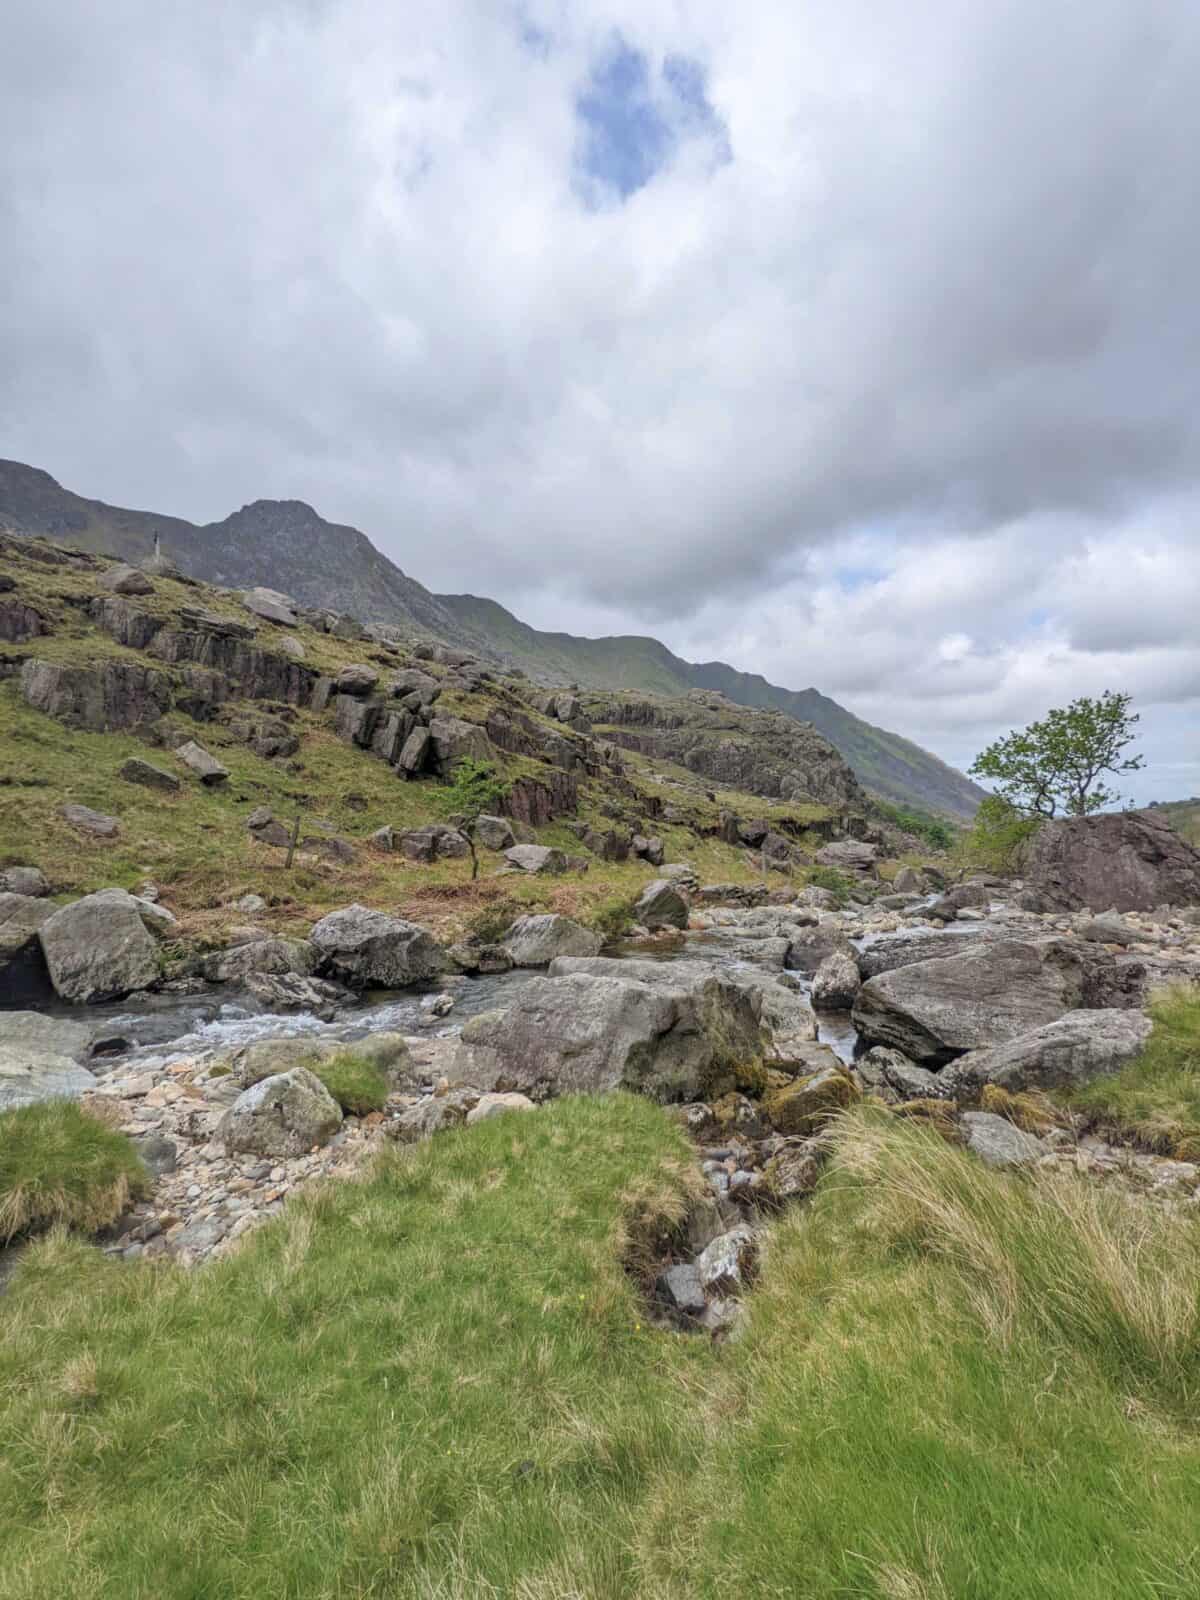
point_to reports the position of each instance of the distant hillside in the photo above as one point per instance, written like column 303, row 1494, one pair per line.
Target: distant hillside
column 890, row 766
column 286, row 545
column 1183, row 815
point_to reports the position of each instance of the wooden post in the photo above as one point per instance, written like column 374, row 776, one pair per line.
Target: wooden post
column 293, row 841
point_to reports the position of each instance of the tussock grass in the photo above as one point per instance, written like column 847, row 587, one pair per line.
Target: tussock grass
column 356, row 1084
column 58, row 1164
column 1155, row 1100
column 954, row 1384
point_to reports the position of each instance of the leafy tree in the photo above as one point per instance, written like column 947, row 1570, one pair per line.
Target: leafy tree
column 996, row 836
column 1057, row 763
column 475, row 790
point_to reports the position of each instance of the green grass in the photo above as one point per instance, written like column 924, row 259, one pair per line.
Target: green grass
column 59, row 1165
column 1155, row 1100
column 954, row 1385
column 357, row 1085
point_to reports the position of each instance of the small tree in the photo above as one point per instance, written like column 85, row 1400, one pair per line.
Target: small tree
column 1057, row 763
column 474, row 790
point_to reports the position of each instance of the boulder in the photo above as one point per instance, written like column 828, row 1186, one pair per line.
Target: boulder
column 794, row 1171
column 98, row 948
column 727, row 1264
column 356, row 679
column 282, row 1116
column 270, row 1058
column 135, row 770
column 649, row 849
column 30, row 882
column 1061, row 1055
column 292, row 647
column 936, row 1010
column 271, row 606
column 85, row 820
column 368, row 949
column 33, row 1033
column 1123, row 861
column 24, row 979
column 125, row 580
column 836, row 981
column 455, row 740
column 536, row 858
column 494, row 833
column 206, row 767
column 354, row 719
column 963, row 895
column 496, row 1105
column 1112, row 930
column 416, row 754
column 804, row 1105
column 908, row 881
column 275, row 957
column 288, row 991
column 155, row 918
column 660, row 905
column 673, row 1032
column 890, row 951
column 997, row 1142
column 849, row 855
column 27, row 1076
column 535, row 941
column 680, row 1290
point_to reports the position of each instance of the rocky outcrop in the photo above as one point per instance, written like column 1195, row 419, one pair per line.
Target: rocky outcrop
column 1126, row 861
column 101, row 698
column 672, row 1032
column 1061, row 1055
column 367, row 949
column 937, row 1010
column 538, row 940
column 20, row 621
column 227, row 647
column 98, row 948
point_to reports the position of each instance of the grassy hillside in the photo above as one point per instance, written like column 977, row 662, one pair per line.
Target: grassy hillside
column 1184, row 815
column 285, row 544
column 441, row 1381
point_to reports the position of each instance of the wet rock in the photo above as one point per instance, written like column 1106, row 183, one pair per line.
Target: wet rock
column 289, row 991
column 98, row 948
column 284, row 1115
column 148, row 776
column 535, row 941
column 270, row 956
column 365, row 948
column 837, row 981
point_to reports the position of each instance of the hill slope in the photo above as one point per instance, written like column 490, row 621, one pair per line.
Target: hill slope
column 285, row 544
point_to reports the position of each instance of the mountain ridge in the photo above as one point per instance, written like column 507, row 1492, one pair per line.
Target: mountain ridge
column 287, row 544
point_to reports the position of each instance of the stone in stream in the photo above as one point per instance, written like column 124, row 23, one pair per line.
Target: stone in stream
column 836, row 981
column 98, row 948
column 275, row 957
column 23, row 975
column 536, row 941
column 368, row 949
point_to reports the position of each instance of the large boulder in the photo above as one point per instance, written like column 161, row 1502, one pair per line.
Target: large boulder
column 135, row 770
column 851, row 856
column 24, row 979
column 271, row 606
column 33, row 1033
column 1126, row 861
column 276, row 957
column 455, row 740
column 27, row 881
column 101, row 698
column 660, row 905
column 1061, row 1055
column 205, row 765
column 494, row 833
column 937, row 1010
column 369, row 949
column 98, row 948
column 889, row 951
column 124, row 579
column 27, row 1076
column 536, row 941
column 282, row 1116
column 673, row 1032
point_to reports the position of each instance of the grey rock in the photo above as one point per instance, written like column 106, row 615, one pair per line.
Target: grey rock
column 437, row 1114
column 98, row 948
column 1073, row 1050
column 660, row 905
column 680, row 1289
column 85, row 820
column 1112, row 930
column 998, row 1143
column 365, row 948
column 354, row 719
column 27, row 1076
column 936, row 1010
column 1123, row 861
column 271, row 606
column 135, row 770
column 417, row 752
column 288, row 991
column 891, row 951
column 159, row 1154
column 284, row 1116
column 497, row 1105
column 850, row 856
column 535, row 941
column 837, row 981
column 795, row 1170
column 494, row 833
column 357, row 679
column 271, row 956
column 727, row 1264
column 961, row 897
column 455, row 740
column 206, row 767
column 155, row 918
column 33, row 1033
column 908, row 881
column 28, row 881
column 24, row 979
column 102, row 698
column 536, row 858
column 673, row 1032
column 125, row 580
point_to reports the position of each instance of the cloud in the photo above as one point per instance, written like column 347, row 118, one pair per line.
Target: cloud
column 853, row 343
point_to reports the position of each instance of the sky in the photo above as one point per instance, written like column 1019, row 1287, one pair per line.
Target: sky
column 856, row 342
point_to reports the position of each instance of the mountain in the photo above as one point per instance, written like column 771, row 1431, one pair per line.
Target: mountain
column 285, row 544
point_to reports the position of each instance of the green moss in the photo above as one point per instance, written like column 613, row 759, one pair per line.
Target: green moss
column 358, row 1086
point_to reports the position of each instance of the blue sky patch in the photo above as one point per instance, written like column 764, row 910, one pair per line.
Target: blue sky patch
column 633, row 119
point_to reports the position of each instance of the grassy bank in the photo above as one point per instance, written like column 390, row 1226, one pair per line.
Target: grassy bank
column 439, row 1382
column 1155, row 1100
